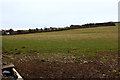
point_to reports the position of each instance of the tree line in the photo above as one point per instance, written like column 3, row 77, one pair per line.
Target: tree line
column 51, row 29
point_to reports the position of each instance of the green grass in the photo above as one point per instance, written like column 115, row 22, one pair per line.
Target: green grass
column 88, row 41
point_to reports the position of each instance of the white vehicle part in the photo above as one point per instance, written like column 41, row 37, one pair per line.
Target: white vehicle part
column 19, row 77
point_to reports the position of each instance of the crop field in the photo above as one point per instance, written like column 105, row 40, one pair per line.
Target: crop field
column 96, row 42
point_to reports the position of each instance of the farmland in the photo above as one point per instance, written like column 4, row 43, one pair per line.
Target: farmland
column 100, row 43
column 91, row 40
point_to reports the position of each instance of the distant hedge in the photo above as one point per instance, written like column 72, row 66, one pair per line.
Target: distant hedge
column 51, row 29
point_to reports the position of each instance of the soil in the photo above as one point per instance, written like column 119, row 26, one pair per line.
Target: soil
column 31, row 68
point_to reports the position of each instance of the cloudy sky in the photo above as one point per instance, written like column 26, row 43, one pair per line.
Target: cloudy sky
column 25, row 14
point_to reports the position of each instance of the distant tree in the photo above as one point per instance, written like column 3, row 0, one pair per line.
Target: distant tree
column 20, row 31
column 37, row 29
column 11, row 31
column 30, row 30
column 45, row 29
column 41, row 29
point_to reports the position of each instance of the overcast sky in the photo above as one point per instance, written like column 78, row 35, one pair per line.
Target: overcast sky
column 25, row 14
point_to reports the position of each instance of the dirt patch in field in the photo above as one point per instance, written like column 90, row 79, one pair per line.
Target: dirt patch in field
column 94, row 67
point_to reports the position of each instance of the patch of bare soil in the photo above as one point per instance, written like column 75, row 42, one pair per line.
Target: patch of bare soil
column 62, row 69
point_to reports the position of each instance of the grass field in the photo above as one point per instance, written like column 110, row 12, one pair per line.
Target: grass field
column 89, row 41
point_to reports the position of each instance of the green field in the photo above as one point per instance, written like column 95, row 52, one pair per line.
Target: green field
column 87, row 41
